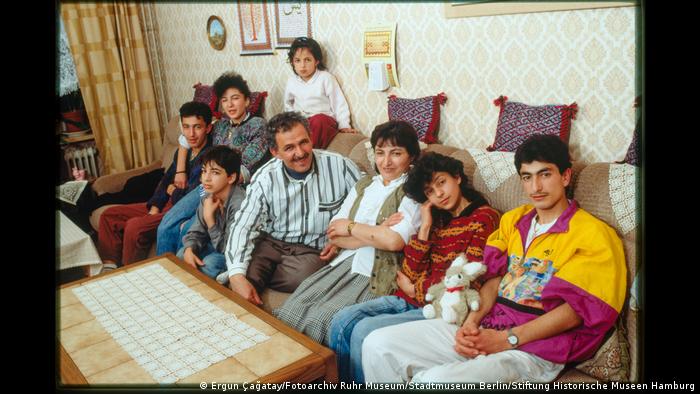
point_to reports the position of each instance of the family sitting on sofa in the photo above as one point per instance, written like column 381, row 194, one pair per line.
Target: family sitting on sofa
column 359, row 253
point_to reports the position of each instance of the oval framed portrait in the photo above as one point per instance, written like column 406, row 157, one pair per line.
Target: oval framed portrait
column 216, row 32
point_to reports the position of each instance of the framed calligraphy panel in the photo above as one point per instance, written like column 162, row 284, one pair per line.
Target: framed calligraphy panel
column 292, row 20
column 255, row 28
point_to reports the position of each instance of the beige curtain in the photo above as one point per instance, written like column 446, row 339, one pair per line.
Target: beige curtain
column 108, row 46
column 155, row 55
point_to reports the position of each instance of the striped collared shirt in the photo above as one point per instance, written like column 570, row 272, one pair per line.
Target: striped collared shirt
column 290, row 210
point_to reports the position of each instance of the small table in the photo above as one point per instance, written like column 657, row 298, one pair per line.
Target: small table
column 89, row 354
column 75, row 247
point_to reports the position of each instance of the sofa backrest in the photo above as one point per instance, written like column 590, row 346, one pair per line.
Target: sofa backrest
column 608, row 191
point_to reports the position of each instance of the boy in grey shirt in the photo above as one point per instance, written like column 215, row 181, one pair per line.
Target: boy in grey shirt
column 204, row 243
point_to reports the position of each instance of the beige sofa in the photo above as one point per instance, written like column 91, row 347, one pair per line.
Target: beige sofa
column 606, row 190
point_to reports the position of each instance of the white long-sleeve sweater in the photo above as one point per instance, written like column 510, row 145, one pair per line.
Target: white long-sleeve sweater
column 321, row 94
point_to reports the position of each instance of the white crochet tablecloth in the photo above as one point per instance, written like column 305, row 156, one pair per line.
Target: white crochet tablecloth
column 165, row 326
column 75, row 247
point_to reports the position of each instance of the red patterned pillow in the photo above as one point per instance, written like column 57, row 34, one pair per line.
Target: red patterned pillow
column 205, row 94
column 517, row 122
column 422, row 113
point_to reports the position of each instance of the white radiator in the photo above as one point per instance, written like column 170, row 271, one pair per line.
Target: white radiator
column 84, row 158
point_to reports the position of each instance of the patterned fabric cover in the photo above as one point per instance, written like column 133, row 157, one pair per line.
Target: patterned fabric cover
column 422, row 113
column 517, row 122
column 495, row 167
column 205, row 94
column 611, row 363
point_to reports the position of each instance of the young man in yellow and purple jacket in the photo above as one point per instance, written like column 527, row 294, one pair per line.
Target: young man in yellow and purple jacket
column 555, row 285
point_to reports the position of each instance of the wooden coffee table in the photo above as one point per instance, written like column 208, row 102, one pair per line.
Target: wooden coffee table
column 88, row 355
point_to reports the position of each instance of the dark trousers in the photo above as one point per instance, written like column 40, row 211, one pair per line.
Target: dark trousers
column 280, row 265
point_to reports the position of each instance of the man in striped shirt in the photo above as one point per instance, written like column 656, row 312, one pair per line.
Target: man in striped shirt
column 279, row 231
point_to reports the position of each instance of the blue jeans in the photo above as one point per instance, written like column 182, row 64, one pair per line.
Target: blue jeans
column 214, row 262
column 353, row 323
column 169, row 233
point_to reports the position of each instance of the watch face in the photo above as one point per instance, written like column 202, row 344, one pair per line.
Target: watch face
column 513, row 340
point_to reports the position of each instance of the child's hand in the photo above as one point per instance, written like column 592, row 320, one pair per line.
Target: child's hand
column 426, row 214
column 405, row 284
column 348, row 130
column 209, row 207
column 171, row 188
column 191, row 258
column 180, row 180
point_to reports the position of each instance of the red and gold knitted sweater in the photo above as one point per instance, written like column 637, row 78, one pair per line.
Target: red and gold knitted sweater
column 425, row 262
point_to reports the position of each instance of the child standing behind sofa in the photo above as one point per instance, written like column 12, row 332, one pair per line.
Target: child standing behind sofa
column 315, row 93
column 206, row 238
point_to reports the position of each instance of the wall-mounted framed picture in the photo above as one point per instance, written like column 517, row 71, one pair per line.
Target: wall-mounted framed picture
column 216, row 32
column 292, row 20
column 255, row 28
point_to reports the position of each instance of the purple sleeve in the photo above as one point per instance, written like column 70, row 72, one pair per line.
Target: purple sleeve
column 596, row 314
column 496, row 261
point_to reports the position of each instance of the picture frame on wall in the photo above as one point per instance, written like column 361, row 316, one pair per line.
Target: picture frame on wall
column 292, row 20
column 255, row 28
column 216, row 32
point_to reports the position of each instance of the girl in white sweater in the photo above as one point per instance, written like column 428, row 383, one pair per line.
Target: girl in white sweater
column 315, row 93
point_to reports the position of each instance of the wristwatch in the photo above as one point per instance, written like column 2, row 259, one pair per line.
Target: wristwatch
column 350, row 226
column 512, row 338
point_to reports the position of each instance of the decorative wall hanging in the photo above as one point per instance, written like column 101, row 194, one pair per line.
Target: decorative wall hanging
column 255, row 28
column 379, row 45
column 292, row 20
column 216, row 32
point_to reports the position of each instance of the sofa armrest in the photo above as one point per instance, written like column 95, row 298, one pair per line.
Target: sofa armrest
column 113, row 183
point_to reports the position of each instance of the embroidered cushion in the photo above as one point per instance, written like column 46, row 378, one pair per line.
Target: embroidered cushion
column 632, row 156
column 422, row 113
column 518, row 121
column 205, row 94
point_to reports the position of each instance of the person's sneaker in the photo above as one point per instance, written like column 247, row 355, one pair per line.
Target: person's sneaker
column 107, row 267
column 222, row 278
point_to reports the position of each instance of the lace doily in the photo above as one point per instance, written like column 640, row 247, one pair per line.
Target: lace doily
column 495, row 167
column 623, row 193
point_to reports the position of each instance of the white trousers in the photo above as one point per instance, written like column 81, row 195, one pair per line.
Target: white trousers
column 423, row 351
